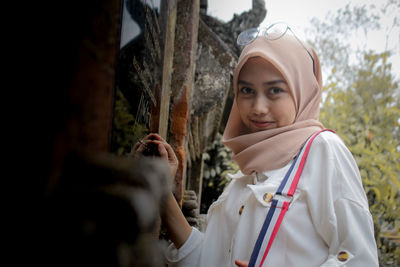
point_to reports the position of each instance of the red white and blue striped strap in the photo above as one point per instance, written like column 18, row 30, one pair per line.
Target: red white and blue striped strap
column 279, row 207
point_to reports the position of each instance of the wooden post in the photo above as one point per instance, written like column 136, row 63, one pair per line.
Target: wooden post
column 169, row 16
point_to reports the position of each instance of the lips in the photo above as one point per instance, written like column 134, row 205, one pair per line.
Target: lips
column 262, row 124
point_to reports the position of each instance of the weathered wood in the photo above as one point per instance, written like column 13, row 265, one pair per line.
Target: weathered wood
column 168, row 42
column 182, row 84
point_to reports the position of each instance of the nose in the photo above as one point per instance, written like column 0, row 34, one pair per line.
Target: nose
column 260, row 105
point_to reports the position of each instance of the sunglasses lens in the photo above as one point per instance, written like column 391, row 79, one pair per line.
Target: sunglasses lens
column 276, row 31
column 247, row 36
column 273, row 32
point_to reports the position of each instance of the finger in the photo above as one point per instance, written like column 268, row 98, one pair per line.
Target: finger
column 153, row 141
column 148, row 141
column 163, row 152
column 241, row 263
column 171, row 153
column 136, row 146
column 147, row 137
column 141, row 148
column 145, row 143
column 155, row 136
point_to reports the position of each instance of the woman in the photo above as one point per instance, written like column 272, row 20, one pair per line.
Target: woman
column 277, row 86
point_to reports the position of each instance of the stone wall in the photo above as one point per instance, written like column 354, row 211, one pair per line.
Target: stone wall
column 191, row 82
column 216, row 58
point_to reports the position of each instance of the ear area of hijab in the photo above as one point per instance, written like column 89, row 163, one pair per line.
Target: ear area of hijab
column 318, row 72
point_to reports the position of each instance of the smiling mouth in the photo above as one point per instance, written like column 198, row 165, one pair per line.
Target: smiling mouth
column 262, row 124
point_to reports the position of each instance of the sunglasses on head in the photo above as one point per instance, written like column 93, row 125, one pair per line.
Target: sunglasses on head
column 272, row 32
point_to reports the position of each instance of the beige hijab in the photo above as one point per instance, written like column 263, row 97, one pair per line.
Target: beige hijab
column 274, row 148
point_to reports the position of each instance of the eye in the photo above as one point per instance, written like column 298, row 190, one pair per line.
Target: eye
column 275, row 90
column 246, row 90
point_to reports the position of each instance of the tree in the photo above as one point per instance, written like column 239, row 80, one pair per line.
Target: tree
column 361, row 103
column 332, row 37
column 366, row 116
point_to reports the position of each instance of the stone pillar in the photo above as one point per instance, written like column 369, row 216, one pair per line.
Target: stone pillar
column 214, row 67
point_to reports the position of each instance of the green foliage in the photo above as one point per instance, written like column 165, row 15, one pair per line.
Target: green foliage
column 217, row 166
column 126, row 131
column 361, row 101
column 366, row 116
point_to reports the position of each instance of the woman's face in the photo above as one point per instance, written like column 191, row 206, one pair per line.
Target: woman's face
column 263, row 98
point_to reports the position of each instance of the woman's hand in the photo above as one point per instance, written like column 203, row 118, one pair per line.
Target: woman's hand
column 241, row 263
column 156, row 146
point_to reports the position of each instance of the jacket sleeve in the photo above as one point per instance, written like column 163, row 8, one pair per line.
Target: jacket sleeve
column 350, row 237
column 189, row 254
column 339, row 207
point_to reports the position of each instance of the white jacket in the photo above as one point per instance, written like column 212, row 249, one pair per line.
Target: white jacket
column 328, row 216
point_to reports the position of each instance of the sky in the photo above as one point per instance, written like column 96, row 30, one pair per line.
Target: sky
column 298, row 14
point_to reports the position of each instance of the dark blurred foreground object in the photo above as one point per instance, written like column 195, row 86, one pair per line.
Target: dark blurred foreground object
column 105, row 212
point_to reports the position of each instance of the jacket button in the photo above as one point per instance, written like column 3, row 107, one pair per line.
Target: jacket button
column 268, row 197
column 241, row 210
column 342, row 256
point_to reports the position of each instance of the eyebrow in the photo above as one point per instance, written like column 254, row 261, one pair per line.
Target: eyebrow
column 266, row 83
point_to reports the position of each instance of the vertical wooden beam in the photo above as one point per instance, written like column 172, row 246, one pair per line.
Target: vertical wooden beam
column 169, row 17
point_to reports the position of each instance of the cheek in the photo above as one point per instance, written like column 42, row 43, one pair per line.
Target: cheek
column 243, row 109
column 293, row 110
column 291, row 113
column 285, row 113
